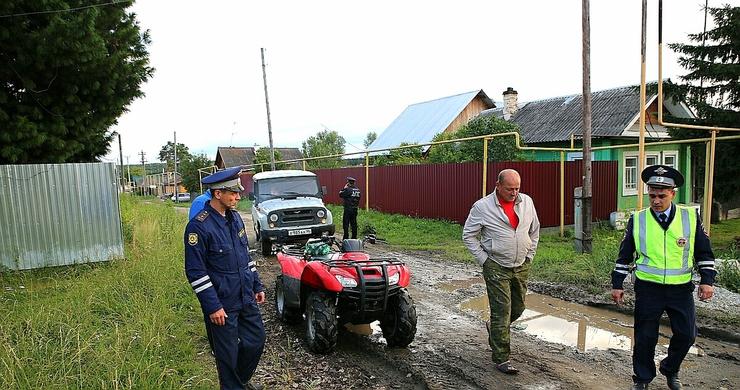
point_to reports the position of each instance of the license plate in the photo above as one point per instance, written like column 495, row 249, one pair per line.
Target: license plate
column 299, row 232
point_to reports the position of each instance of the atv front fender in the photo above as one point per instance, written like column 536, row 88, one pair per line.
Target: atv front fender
column 316, row 276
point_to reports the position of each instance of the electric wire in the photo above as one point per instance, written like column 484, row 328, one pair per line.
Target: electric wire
column 66, row 9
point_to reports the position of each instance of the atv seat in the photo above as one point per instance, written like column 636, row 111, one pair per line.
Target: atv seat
column 352, row 245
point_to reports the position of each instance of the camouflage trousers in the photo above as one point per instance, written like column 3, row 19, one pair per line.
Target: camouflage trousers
column 506, row 289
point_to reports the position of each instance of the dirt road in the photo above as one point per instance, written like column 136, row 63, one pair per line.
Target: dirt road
column 556, row 346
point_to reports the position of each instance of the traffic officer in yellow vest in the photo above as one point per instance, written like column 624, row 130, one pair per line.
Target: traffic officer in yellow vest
column 666, row 242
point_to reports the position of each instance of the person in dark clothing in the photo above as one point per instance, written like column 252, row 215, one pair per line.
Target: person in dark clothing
column 351, row 196
column 224, row 277
column 669, row 241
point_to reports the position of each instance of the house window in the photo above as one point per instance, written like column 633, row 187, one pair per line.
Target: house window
column 578, row 156
column 671, row 159
column 632, row 176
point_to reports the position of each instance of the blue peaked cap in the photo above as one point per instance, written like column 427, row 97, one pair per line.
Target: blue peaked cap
column 228, row 179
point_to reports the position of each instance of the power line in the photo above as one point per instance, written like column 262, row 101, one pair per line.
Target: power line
column 66, row 9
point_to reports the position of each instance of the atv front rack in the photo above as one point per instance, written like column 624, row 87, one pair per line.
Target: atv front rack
column 371, row 293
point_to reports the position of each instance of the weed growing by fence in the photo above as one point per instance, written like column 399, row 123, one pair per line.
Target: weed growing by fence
column 130, row 323
column 728, row 275
column 726, row 239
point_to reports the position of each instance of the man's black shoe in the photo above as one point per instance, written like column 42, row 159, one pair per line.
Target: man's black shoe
column 507, row 368
column 254, row 386
column 639, row 386
column 673, row 382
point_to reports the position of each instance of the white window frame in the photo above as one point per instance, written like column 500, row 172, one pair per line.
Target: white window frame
column 578, row 156
column 671, row 153
column 660, row 157
column 626, row 191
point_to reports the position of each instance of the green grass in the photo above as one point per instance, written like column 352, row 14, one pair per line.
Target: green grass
column 129, row 323
column 555, row 261
column 725, row 237
column 411, row 233
column 244, row 205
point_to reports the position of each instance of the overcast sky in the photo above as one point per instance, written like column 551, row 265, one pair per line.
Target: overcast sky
column 353, row 67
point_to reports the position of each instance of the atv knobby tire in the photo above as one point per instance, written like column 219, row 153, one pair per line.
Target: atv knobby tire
column 266, row 245
column 285, row 314
column 321, row 322
column 399, row 322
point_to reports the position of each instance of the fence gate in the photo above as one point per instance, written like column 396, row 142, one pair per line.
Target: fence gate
column 58, row 214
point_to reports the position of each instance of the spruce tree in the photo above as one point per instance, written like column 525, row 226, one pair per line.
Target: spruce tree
column 712, row 89
column 69, row 70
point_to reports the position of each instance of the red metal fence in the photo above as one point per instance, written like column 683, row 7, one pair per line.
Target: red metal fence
column 447, row 191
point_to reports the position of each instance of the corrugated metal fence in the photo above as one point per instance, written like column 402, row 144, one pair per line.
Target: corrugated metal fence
column 447, row 191
column 58, row 214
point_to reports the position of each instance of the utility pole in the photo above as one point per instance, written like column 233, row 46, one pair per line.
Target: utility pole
column 641, row 147
column 174, row 176
column 143, row 166
column 587, row 197
column 128, row 169
column 267, row 104
column 120, row 152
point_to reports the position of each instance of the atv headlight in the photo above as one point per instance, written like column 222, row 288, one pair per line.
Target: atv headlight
column 273, row 218
column 346, row 282
column 320, row 214
column 393, row 279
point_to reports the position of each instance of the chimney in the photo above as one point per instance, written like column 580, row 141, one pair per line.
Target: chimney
column 510, row 103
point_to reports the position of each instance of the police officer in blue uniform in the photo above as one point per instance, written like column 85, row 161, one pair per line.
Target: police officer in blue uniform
column 351, row 195
column 226, row 282
column 198, row 204
column 665, row 242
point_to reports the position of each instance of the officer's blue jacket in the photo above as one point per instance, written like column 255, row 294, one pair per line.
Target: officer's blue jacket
column 217, row 261
column 198, row 204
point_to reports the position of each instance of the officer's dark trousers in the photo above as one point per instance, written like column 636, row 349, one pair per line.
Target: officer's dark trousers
column 651, row 300
column 349, row 218
column 237, row 345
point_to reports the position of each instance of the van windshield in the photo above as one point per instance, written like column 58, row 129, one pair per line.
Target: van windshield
column 287, row 187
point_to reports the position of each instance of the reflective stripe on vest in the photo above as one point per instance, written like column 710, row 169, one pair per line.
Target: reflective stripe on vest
column 665, row 256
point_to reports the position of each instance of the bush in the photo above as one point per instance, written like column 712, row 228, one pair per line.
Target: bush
column 728, row 275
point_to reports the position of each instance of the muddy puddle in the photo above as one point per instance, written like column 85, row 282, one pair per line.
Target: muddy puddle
column 582, row 327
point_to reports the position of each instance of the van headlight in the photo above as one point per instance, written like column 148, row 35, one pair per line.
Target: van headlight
column 273, row 218
column 320, row 214
column 393, row 279
column 345, row 281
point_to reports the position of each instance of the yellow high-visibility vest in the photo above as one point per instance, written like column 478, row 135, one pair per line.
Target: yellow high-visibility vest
column 665, row 256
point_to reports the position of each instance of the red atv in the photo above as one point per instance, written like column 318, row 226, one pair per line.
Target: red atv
column 335, row 284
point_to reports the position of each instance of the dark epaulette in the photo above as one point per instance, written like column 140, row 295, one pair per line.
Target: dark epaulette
column 202, row 215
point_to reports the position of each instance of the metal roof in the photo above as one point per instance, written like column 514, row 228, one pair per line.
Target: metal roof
column 282, row 173
column 420, row 122
column 555, row 119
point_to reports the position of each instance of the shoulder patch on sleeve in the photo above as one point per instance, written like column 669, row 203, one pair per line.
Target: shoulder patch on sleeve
column 193, row 239
column 202, row 215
